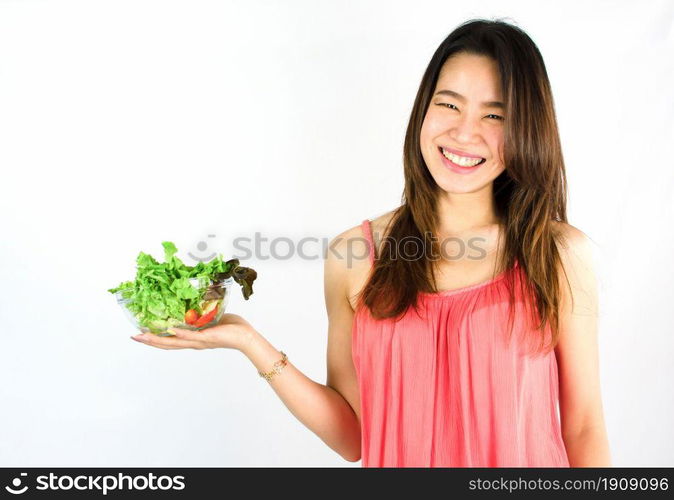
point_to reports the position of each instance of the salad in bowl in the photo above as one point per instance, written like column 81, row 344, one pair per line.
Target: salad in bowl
column 171, row 294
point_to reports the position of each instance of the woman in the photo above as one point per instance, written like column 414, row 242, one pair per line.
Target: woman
column 439, row 355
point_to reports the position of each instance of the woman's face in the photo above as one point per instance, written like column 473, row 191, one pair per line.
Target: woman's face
column 463, row 116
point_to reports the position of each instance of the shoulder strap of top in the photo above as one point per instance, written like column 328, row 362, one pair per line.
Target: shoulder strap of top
column 367, row 231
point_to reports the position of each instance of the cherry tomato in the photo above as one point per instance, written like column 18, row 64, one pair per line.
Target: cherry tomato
column 191, row 317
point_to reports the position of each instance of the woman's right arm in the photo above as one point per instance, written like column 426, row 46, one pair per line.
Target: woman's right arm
column 331, row 411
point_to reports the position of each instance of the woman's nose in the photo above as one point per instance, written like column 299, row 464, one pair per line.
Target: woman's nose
column 464, row 130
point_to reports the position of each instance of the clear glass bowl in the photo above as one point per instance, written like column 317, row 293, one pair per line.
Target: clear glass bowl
column 206, row 289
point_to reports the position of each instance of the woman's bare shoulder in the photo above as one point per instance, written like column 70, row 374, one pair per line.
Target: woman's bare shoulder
column 349, row 251
column 570, row 237
column 384, row 219
column 349, row 248
column 380, row 225
column 355, row 237
column 579, row 260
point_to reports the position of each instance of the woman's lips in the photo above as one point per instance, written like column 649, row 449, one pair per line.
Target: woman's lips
column 458, row 168
column 459, row 153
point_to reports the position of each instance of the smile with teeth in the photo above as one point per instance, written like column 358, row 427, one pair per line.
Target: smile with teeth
column 461, row 160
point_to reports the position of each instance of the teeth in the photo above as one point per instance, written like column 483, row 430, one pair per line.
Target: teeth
column 461, row 160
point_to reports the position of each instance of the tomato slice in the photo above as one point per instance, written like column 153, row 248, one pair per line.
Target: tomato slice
column 206, row 318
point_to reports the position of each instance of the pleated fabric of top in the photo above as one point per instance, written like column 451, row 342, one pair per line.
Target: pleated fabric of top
column 445, row 387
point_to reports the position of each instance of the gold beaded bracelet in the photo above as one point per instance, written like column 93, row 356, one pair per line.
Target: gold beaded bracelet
column 278, row 366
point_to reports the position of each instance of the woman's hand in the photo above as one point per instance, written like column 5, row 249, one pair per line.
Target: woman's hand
column 232, row 332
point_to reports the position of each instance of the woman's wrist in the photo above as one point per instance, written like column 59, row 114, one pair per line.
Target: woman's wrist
column 260, row 352
column 250, row 338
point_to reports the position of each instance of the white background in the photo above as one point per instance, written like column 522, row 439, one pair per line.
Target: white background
column 127, row 123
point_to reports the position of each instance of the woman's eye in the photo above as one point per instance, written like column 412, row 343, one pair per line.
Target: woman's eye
column 497, row 117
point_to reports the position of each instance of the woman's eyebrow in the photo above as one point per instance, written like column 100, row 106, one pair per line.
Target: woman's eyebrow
column 488, row 104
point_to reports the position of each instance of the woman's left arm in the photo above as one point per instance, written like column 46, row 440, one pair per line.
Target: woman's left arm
column 582, row 417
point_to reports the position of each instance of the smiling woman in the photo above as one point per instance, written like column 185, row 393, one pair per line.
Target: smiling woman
column 461, row 371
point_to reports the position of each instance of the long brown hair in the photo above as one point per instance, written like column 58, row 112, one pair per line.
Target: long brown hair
column 529, row 194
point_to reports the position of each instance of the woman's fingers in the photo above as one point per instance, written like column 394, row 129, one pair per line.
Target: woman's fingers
column 228, row 335
column 190, row 335
column 180, row 340
column 203, row 339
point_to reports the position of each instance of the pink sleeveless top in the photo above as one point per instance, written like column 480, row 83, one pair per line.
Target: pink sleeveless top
column 445, row 388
